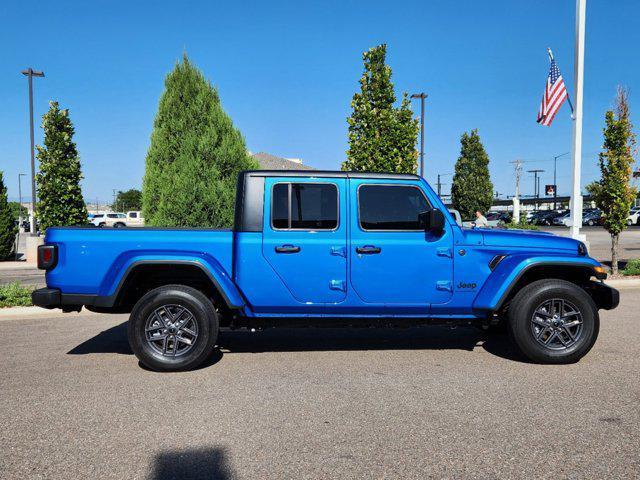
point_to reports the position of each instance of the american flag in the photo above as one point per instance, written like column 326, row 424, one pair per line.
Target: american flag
column 555, row 93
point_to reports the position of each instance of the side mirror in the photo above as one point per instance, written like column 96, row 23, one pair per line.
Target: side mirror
column 432, row 221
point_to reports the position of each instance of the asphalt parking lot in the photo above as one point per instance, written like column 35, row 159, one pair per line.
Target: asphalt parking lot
column 317, row 403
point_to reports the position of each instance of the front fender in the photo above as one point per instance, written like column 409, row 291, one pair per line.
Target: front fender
column 124, row 264
column 505, row 276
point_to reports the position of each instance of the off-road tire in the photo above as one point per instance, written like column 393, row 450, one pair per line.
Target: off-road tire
column 529, row 298
column 198, row 305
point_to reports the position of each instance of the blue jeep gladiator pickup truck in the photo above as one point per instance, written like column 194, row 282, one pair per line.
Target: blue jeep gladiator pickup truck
column 326, row 248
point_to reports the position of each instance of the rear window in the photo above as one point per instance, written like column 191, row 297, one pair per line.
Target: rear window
column 304, row 206
column 391, row 207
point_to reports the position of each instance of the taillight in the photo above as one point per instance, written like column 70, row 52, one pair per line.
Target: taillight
column 47, row 257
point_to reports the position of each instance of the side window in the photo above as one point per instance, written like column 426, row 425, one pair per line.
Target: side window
column 133, row 215
column 391, row 207
column 304, row 206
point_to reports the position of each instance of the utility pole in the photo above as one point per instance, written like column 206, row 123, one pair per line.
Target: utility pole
column 517, row 164
column 439, row 183
column 421, row 96
column 30, row 72
column 576, row 196
column 113, row 205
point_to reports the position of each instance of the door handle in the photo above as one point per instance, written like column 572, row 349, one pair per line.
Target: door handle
column 368, row 250
column 287, row 249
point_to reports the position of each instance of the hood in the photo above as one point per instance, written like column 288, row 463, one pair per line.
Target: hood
column 528, row 239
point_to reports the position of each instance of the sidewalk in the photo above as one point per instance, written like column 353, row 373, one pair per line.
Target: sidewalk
column 12, row 265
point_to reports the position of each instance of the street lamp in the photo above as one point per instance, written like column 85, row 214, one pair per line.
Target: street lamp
column 555, row 185
column 421, row 96
column 30, row 72
column 20, row 175
column 536, row 188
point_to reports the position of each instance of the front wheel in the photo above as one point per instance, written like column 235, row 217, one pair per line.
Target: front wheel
column 173, row 328
column 553, row 321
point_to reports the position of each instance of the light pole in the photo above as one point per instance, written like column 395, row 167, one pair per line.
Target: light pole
column 30, row 72
column 421, row 96
column 20, row 175
column 555, row 185
column 536, row 188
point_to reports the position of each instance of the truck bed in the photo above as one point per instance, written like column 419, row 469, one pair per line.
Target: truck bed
column 100, row 257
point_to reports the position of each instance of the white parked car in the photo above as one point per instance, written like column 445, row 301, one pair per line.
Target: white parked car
column 115, row 220
column 634, row 216
column 135, row 219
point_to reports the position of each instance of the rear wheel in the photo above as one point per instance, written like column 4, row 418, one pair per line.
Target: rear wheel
column 173, row 328
column 553, row 321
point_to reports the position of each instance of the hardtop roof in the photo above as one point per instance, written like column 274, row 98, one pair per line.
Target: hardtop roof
column 329, row 174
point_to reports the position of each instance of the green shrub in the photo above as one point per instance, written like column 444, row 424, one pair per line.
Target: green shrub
column 633, row 267
column 15, row 295
column 522, row 225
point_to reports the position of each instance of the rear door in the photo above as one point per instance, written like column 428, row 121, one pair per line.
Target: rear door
column 305, row 237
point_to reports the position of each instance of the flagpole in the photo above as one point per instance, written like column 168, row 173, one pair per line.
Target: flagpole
column 576, row 195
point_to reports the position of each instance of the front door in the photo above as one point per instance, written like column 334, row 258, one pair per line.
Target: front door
column 305, row 238
column 394, row 262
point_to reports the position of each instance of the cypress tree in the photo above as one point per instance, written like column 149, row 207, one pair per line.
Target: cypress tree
column 195, row 155
column 382, row 137
column 471, row 189
column 613, row 193
column 8, row 228
column 60, row 199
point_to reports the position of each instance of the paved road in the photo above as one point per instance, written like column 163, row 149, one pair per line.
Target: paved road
column 414, row 403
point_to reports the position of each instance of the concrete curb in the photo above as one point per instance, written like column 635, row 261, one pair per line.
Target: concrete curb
column 10, row 265
column 623, row 282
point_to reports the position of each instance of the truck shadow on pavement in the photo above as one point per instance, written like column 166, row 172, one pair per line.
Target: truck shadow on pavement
column 191, row 464
column 114, row 340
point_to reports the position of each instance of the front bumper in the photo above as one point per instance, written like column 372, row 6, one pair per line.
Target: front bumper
column 606, row 297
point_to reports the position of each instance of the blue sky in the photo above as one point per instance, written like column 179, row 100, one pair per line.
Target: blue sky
column 286, row 72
